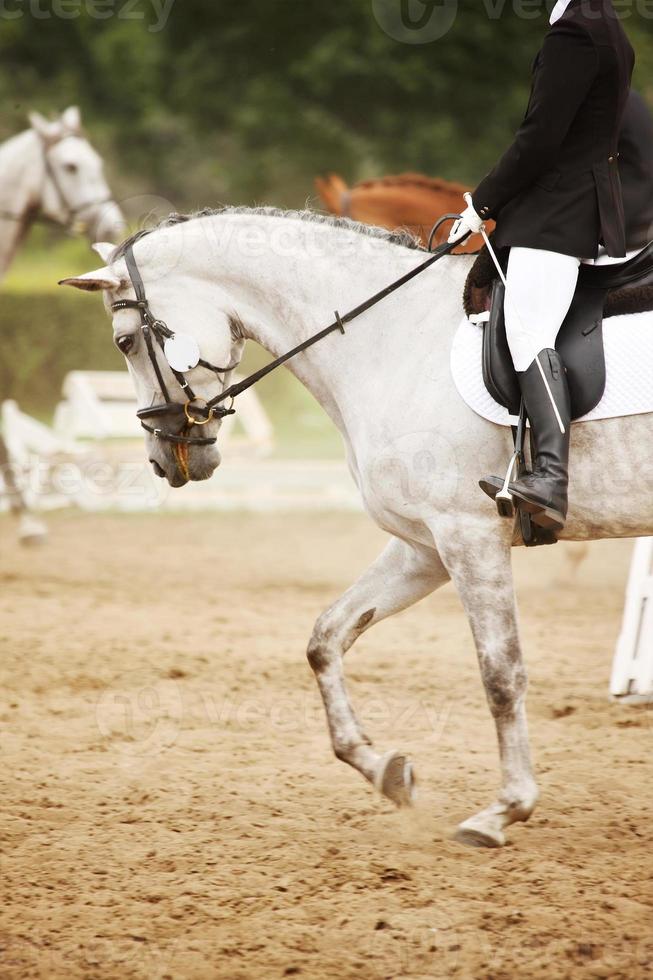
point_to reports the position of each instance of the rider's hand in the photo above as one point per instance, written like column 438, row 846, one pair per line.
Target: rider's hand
column 468, row 223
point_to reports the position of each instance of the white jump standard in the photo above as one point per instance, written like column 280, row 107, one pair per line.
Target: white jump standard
column 632, row 670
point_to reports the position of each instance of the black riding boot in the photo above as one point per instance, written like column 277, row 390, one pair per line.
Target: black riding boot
column 543, row 493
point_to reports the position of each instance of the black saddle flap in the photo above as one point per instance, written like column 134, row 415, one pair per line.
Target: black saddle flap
column 580, row 344
column 499, row 374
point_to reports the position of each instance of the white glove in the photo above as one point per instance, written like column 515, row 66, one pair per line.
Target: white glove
column 469, row 222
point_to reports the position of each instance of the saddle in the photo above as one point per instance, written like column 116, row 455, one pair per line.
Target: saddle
column 602, row 291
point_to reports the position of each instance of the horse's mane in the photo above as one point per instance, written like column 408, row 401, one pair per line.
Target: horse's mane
column 436, row 184
column 399, row 237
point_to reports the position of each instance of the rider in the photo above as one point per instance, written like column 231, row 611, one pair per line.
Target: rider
column 556, row 196
column 636, row 170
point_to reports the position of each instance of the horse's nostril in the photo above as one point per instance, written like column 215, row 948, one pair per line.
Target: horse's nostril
column 158, row 470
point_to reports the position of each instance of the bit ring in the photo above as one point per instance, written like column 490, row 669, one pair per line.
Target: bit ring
column 191, row 418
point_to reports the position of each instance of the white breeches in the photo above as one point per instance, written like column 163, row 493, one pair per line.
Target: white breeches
column 541, row 286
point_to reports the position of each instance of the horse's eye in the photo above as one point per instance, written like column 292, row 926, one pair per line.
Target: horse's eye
column 70, row 168
column 125, row 344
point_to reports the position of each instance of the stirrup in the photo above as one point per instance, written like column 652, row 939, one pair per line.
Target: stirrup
column 504, row 499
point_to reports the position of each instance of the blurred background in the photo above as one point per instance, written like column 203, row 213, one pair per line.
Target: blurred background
column 200, row 102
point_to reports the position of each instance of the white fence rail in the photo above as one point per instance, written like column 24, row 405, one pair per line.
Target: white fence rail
column 93, row 457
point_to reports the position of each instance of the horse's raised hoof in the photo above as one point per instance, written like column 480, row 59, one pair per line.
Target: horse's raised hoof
column 472, row 837
column 477, row 838
column 395, row 779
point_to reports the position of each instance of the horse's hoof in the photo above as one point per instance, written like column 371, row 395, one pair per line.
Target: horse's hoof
column 31, row 530
column 395, row 779
column 474, row 837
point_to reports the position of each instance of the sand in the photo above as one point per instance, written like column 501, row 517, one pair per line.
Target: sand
column 171, row 807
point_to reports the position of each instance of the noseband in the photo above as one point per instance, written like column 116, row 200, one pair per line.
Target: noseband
column 190, row 411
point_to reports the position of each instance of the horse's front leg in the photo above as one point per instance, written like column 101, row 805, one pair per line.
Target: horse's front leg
column 479, row 564
column 401, row 575
column 30, row 528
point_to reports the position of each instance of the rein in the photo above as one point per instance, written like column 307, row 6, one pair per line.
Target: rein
column 213, row 408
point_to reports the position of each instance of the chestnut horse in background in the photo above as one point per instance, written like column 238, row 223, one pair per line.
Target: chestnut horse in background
column 411, row 201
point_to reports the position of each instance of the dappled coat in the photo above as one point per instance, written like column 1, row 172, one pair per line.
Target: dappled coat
column 557, row 187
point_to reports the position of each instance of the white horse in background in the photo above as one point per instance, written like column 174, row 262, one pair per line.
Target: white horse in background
column 50, row 172
column 415, row 449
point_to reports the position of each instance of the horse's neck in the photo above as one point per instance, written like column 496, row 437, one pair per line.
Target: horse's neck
column 284, row 300
column 21, row 176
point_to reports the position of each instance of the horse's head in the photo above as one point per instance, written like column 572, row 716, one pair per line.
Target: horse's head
column 174, row 330
column 74, row 190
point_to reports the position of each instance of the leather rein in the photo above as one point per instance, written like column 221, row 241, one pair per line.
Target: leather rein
column 196, row 411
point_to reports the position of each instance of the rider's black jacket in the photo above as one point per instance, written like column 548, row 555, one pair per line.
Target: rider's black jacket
column 636, row 169
column 557, row 187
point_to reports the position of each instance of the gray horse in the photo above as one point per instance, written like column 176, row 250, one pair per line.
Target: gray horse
column 51, row 172
column 415, row 450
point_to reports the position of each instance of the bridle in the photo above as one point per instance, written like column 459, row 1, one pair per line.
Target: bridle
column 71, row 211
column 190, row 410
column 200, row 414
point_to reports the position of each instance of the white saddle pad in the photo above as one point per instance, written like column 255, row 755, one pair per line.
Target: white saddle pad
column 628, row 360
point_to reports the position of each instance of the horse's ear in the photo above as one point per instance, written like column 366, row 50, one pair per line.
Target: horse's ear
column 104, row 249
column 93, row 282
column 72, row 119
column 48, row 131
